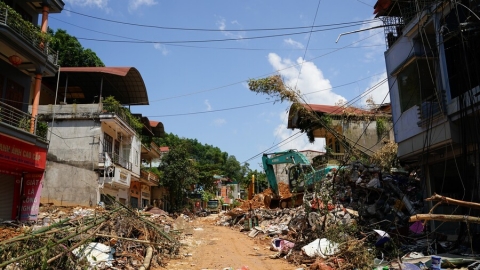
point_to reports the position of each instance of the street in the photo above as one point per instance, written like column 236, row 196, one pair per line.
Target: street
column 219, row 247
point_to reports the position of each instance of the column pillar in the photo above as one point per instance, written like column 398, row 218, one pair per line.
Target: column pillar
column 36, row 100
column 45, row 11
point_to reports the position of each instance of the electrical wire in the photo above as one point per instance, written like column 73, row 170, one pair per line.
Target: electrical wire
column 216, row 48
column 215, row 30
column 210, row 40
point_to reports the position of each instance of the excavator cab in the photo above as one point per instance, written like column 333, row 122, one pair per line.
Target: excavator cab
column 297, row 175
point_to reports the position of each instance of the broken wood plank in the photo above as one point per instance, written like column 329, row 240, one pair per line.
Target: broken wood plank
column 448, row 218
column 448, row 200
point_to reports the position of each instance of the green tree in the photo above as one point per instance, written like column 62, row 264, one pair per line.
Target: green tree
column 71, row 53
column 179, row 174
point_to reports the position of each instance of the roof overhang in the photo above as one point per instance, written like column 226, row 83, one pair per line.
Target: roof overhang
column 87, row 84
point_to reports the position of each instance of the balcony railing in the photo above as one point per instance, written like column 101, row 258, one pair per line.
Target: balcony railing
column 117, row 159
column 28, row 32
column 150, row 177
column 22, row 120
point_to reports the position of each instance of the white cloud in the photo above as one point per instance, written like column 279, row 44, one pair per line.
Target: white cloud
column 293, row 43
column 219, row 122
column 314, row 87
column 135, row 4
column 209, row 107
column 380, row 93
column 222, row 25
column 161, row 48
column 102, row 4
column 311, row 83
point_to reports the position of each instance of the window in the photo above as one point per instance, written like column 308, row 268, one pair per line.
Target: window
column 461, row 50
column 416, row 83
column 136, row 158
column 107, row 143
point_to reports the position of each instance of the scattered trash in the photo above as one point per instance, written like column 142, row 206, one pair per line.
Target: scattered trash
column 321, row 247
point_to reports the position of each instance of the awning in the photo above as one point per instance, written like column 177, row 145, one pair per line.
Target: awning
column 87, row 84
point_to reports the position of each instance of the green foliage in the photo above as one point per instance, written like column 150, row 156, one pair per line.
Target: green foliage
column 326, row 120
column 15, row 21
column 381, row 126
column 71, row 53
column 209, row 161
column 110, row 104
column 42, row 129
column 206, row 195
column 179, row 173
column 273, row 86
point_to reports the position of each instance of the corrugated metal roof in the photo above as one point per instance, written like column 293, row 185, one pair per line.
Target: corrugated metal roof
column 124, row 83
column 334, row 110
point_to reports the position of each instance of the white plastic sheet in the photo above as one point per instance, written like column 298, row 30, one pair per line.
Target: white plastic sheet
column 321, row 247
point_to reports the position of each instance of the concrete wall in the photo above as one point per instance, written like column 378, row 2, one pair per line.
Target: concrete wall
column 69, row 185
column 76, row 142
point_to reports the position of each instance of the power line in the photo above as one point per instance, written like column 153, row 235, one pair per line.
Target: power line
column 215, row 30
column 214, row 40
column 211, row 111
column 216, row 48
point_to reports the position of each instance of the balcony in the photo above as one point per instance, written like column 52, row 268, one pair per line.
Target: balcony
column 21, row 37
column 116, row 159
column 150, row 178
column 21, row 121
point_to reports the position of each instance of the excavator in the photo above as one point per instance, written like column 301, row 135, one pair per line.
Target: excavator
column 301, row 177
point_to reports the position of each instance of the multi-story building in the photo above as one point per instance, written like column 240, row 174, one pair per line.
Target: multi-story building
column 433, row 67
column 25, row 58
column 344, row 129
column 96, row 147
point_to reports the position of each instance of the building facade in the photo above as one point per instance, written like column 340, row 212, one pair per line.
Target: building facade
column 433, row 67
column 25, row 58
column 96, row 148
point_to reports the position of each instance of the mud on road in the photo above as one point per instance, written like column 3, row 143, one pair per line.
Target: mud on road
column 217, row 247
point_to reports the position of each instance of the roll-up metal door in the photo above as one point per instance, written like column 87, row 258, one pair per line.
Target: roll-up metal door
column 7, row 183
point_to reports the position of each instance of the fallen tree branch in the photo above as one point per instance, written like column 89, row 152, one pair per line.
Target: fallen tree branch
column 148, row 258
column 76, row 245
column 128, row 239
column 448, row 218
column 448, row 200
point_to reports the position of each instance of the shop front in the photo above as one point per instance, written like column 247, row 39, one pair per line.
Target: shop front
column 22, row 167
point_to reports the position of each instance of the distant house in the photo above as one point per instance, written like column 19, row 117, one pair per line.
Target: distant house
column 344, row 128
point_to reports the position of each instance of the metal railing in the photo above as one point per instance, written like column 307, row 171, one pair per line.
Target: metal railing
column 117, row 159
column 150, row 177
column 21, row 120
column 28, row 32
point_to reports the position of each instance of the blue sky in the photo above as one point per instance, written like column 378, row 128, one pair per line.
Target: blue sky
column 199, row 90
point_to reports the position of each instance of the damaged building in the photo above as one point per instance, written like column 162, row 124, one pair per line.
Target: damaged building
column 433, row 67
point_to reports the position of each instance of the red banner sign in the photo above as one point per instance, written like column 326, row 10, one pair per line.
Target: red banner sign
column 21, row 153
column 30, row 201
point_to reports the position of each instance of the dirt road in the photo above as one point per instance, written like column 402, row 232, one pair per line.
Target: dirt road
column 217, row 247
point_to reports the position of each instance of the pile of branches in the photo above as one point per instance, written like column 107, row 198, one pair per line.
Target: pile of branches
column 135, row 241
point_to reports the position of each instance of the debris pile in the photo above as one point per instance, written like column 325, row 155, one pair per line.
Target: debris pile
column 93, row 238
column 355, row 216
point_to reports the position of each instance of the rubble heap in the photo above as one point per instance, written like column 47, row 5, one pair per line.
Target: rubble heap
column 356, row 216
column 92, row 238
